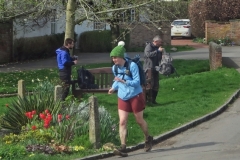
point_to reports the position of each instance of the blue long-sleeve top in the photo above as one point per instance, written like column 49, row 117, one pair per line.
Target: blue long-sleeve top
column 64, row 60
column 132, row 86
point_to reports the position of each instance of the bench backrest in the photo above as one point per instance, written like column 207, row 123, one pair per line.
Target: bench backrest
column 103, row 76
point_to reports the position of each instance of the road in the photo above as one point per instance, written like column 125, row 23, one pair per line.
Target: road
column 90, row 58
column 216, row 139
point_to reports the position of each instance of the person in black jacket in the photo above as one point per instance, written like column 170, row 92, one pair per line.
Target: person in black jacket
column 152, row 57
column 65, row 63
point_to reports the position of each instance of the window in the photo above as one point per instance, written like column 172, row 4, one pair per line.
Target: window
column 128, row 16
column 53, row 22
column 132, row 17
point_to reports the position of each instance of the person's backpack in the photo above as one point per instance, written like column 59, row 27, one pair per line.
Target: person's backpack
column 85, row 79
column 136, row 60
column 166, row 67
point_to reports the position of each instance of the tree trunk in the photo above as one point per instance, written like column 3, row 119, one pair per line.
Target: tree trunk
column 70, row 20
column 114, row 25
column 115, row 31
column 115, row 34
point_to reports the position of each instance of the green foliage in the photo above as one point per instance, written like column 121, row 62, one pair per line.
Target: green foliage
column 101, row 41
column 12, row 151
column 95, row 41
column 41, row 99
column 199, row 40
column 109, row 131
column 71, row 131
column 29, row 137
column 82, row 140
column 65, row 129
column 223, row 42
column 4, row 103
column 37, row 47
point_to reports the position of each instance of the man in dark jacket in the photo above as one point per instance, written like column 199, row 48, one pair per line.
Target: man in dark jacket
column 152, row 57
column 65, row 63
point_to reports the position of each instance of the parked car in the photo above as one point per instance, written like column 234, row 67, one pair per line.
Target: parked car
column 181, row 28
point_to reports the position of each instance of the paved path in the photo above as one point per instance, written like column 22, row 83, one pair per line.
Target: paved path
column 217, row 139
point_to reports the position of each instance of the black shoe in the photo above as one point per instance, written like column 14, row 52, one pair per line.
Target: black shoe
column 148, row 144
column 120, row 151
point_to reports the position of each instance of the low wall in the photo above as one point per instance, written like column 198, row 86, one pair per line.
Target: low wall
column 221, row 30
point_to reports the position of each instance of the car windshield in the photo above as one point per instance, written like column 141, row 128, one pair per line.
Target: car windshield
column 180, row 22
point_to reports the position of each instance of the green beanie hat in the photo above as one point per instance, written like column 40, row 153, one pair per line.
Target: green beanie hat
column 118, row 51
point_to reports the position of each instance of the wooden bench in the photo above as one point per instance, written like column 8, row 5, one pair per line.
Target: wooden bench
column 104, row 79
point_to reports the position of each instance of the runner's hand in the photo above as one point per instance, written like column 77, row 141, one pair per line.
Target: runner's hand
column 111, row 90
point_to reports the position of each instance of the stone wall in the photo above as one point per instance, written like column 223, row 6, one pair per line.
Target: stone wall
column 142, row 33
column 220, row 30
column 6, row 40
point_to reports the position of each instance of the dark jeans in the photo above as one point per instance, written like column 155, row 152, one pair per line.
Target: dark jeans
column 65, row 77
column 155, row 80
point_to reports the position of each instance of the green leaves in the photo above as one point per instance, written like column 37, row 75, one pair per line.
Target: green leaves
column 41, row 99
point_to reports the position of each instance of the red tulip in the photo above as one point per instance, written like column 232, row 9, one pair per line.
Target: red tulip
column 46, row 126
column 46, row 111
column 29, row 115
column 67, row 116
column 49, row 117
column 34, row 127
column 59, row 118
column 47, row 120
column 42, row 116
column 33, row 112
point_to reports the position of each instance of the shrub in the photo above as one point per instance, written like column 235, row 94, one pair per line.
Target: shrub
column 223, row 42
column 95, row 41
column 223, row 10
column 37, row 47
column 101, row 41
column 198, row 40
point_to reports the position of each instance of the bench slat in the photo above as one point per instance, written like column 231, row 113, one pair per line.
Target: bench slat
column 107, row 70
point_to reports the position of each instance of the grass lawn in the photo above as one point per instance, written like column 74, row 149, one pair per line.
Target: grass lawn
column 181, row 100
column 168, row 48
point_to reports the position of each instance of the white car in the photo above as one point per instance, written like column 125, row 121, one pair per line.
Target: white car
column 181, row 28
